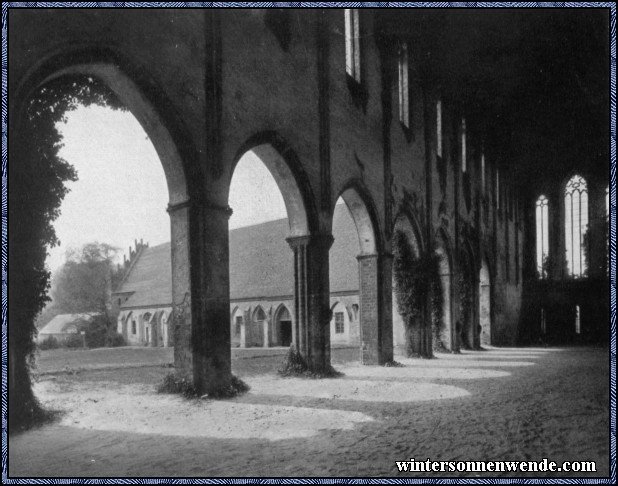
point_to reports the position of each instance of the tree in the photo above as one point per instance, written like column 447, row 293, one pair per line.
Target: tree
column 36, row 188
column 84, row 282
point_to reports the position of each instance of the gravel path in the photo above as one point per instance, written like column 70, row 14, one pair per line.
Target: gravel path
column 499, row 404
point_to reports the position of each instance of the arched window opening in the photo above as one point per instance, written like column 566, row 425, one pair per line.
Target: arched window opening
column 352, row 43
column 439, row 128
column 344, row 276
column 404, row 90
column 259, row 315
column 464, row 156
column 483, row 187
column 497, row 189
column 268, row 214
column 283, row 328
column 576, row 225
column 542, row 235
column 110, row 137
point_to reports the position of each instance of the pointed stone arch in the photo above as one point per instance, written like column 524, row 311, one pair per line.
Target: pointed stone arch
column 283, row 327
column 285, row 167
column 148, row 103
column 405, row 223
column 374, row 276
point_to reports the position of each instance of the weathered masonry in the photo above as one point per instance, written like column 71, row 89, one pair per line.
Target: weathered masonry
column 336, row 104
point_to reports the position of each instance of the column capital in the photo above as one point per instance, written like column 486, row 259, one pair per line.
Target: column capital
column 207, row 205
column 172, row 207
column 318, row 239
column 188, row 203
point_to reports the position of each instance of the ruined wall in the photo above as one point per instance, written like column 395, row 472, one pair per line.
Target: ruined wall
column 209, row 85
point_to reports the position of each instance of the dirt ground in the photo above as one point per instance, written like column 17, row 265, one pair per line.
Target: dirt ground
column 498, row 404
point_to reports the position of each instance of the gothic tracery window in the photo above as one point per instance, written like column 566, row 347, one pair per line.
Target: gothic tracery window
column 576, row 225
column 542, row 236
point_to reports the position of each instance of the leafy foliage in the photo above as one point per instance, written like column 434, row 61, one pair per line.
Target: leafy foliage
column 174, row 384
column 36, row 188
column 295, row 365
column 417, row 280
column 466, row 298
column 49, row 342
column 83, row 283
column 177, row 385
column 74, row 341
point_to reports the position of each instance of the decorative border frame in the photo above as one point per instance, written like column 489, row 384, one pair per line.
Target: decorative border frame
column 612, row 184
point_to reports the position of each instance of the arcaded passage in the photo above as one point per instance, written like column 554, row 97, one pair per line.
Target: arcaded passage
column 343, row 104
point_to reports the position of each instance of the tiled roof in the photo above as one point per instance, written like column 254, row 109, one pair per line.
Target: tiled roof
column 63, row 323
column 261, row 264
column 150, row 278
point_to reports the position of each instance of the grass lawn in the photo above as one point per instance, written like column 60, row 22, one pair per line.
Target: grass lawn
column 149, row 365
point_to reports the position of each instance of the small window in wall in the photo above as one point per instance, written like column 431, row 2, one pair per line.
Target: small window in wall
column 133, row 327
column 238, row 324
column 542, row 235
column 578, row 322
column 404, row 93
column 259, row 315
column 339, row 323
column 352, row 43
column 439, row 128
column 355, row 311
column 543, row 322
column 464, row 155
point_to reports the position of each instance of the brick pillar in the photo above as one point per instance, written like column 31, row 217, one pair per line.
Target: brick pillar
column 376, row 320
column 312, row 298
column 386, row 308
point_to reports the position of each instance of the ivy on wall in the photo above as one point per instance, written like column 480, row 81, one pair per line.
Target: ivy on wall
column 417, row 284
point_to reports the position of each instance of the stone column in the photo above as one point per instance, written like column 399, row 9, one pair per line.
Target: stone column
column 180, row 317
column 376, row 322
column 312, row 298
column 266, row 333
column 201, row 294
column 246, row 316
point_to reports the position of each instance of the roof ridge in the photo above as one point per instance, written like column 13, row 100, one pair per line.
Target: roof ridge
column 131, row 266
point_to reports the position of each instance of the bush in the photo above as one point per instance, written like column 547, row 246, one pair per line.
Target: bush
column 177, row 385
column 174, row 384
column 74, row 341
column 96, row 332
column 295, row 365
column 50, row 342
column 115, row 339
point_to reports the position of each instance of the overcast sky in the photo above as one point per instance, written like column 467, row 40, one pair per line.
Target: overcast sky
column 121, row 194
